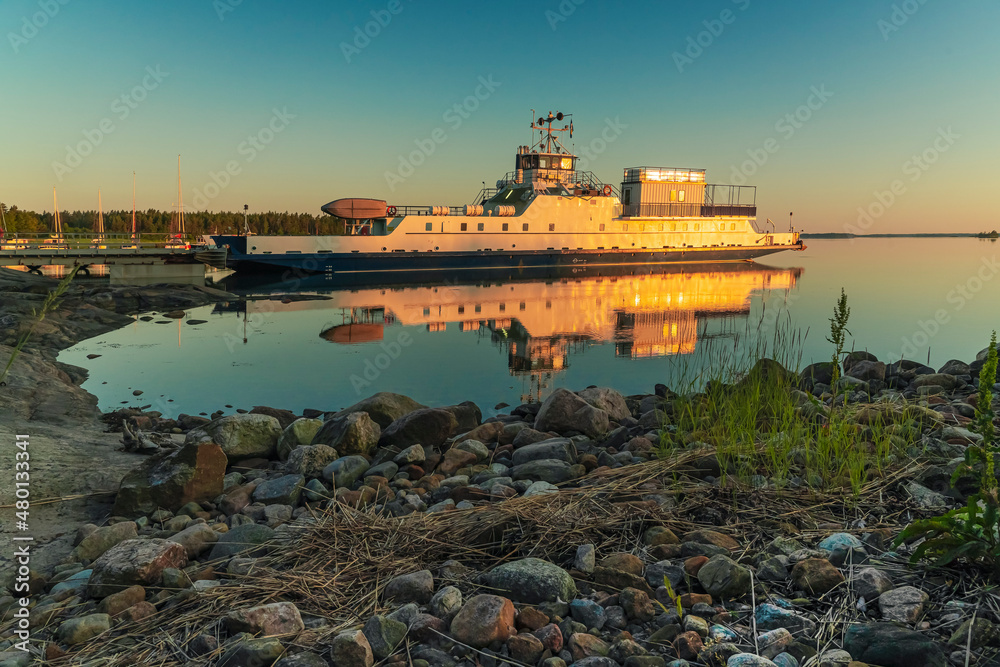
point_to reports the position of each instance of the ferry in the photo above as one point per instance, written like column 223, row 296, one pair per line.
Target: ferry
column 544, row 213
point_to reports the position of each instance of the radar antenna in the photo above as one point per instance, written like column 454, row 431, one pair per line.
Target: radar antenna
column 548, row 141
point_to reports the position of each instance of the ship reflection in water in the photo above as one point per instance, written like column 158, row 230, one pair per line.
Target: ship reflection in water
column 541, row 324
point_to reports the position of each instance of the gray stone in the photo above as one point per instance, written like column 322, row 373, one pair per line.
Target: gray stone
column 446, row 603
column 297, row 434
column 904, row 604
column 345, row 471
column 102, row 539
column 589, row 613
column 608, row 400
column 246, row 540
column 564, row 411
column 540, row 488
column 309, row 460
column 869, row 583
column 352, row 649
column 83, row 628
column 354, row 433
column 277, row 618
column 134, row 562
column 889, row 645
column 412, row 454
column 195, row 539
column 772, row 617
column 384, row 635
column 247, row 652
column 924, row 497
column 546, row 470
column 429, row 427
column 414, row 587
column 474, row 447
column 586, row 558
column 281, row 491
column 559, row 449
column 384, row 407
column 724, row 578
column 532, row 580
column 242, row 436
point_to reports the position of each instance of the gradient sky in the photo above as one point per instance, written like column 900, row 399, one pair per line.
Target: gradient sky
column 898, row 83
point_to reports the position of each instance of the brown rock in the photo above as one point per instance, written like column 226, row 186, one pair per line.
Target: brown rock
column 455, row 459
column 688, row 645
column 278, row 618
column 617, row 580
column 115, row 604
column 582, row 645
column 816, row 575
column 137, row 612
column 483, row 620
column 530, row 618
column 193, row 473
column 134, row 562
column 636, row 604
column 689, row 600
column 694, row 564
column 712, row 537
column 525, row 649
column 624, row 561
column 551, row 637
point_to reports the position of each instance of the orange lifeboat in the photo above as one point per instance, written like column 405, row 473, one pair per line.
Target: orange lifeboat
column 356, row 209
column 354, row 333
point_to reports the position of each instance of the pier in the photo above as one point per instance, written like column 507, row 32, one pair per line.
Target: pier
column 38, row 250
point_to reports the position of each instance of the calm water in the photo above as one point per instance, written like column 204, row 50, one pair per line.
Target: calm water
column 515, row 338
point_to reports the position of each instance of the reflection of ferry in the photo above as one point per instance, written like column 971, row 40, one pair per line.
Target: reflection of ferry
column 540, row 323
column 544, row 213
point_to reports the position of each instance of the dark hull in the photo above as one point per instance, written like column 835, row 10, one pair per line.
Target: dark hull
column 429, row 264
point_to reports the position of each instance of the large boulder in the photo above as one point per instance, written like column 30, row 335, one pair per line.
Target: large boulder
column 608, row 400
column 429, row 427
column 565, row 411
column 134, row 563
column 278, row 618
column 532, row 580
column 889, row 645
column 725, row 579
column 246, row 538
column 346, row 470
column 354, row 433
column 98, row 542
column 310, row 460
column 193, row 473
column 242, row 436
column 559, row 449
column 297, row 434
column 467, row 414
column 384, row 407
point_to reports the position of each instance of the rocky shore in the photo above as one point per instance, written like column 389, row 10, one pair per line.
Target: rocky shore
column 586, row 530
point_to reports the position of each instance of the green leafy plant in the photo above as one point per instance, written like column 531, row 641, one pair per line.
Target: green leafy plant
column 50, row 304
column 971, row 532
column 838, row 329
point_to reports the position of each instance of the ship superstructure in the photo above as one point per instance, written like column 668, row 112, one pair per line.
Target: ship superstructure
column 544, row 213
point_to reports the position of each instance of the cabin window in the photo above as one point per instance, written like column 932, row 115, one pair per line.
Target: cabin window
column 427, row 312
column 697, row 227
column 461, row 310
column 503, row 307
column 661, row 227
column 522, row 305
column 429, row 226
column 505, row 226
column 479, row 308
column 543, row 162
column 602, row 226
column 552, row 227
column 673, row 226
column 685, row 226
column 465, row 227
column 481, row 226
column 524, row 227
column 680, row 195
column 673, row 195
column 732, row 227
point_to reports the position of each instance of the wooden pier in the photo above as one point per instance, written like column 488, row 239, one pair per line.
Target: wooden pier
column 37, row 250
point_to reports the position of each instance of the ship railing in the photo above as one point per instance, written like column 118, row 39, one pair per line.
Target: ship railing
column 14, row 241
column 585, row 179
column 731, row 195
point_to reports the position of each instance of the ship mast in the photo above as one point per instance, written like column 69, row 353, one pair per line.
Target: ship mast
column 133, row 206
column 178, row 227
column 57, row 223
column 100, row 215
column 548, row 141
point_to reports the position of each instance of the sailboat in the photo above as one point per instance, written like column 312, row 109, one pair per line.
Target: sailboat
column 56, row 240
column 98, row 242
column 177, row 231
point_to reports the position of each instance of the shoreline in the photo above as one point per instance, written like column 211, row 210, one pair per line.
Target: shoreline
column 604, row 491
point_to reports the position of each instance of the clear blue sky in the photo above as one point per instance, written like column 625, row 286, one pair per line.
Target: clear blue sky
column 225, row 67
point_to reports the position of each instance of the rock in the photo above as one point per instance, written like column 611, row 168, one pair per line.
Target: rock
column 546, row 470
column 384, row 635
column 354, row 433
column 351, row 649
column 564, row 411
column 946, row 382
column 195, row 539
column 310, row 460
column 980, row 631
column 925, row 498
column 954, row 367
column 525, row 648
column 414, row 587
column 446, row 602
column 712, row 537
column 532, row 580
column 748, row 660
column 304, row 659
column 467, row 414
column 618, row 579
column 116, row 603
column 559, row 449
column 429, row 427
column 483, row 620
column 657, row 535
column 252, row 653
column 583, row 646
column 870, row 583
column 246, row 540
column 867, row 371
column 83, row 628
column 608, row 400
column 540, row 488
column 412, row 454
column 102, row 539
column 134, row 562
column 241, row 436
column 889, row 645
column 193, row 473
column 345, row 471
column 474, row 447
column 688, row 645
column 297, row 434
column 281, row 491
column 821, row 373
column 835, row 658
column 724, row 578
column 384, row 407
column 773, row 642
column 816, row 575
column 588, row 612
column 586, row 558
column 836, row 540
column 904, row 604
column 625, row 562
column 772, row 617
column 637, row 605
column 278, row 618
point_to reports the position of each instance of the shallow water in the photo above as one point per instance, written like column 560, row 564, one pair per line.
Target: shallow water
column 515, row 338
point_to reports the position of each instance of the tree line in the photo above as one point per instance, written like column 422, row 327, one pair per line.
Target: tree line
column 152, row 221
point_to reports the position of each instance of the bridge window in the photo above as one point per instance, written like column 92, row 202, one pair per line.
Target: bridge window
column 429, row 226
column 465, row 227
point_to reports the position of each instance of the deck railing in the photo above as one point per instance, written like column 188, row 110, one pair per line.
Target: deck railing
column 11, row 241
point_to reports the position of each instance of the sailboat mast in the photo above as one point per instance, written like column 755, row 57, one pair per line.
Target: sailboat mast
column 57, row 224
column 133, row 205
column 180, row 200
column 100, row 214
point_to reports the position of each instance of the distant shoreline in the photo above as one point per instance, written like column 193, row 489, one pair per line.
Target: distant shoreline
column 832, row 235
